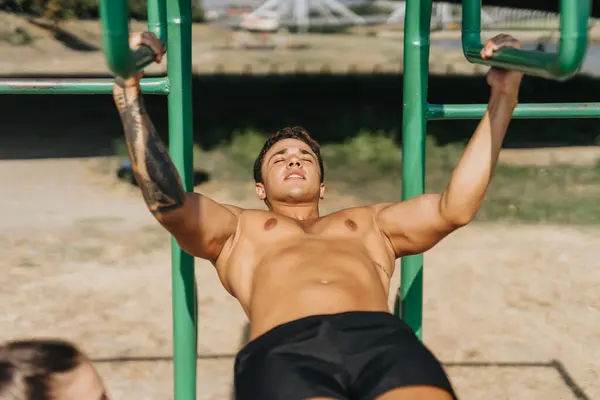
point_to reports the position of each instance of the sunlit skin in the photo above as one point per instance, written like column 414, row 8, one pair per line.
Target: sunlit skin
column 81, row 383
column 289, row 262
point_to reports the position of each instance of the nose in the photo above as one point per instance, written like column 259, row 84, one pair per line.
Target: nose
column 294, row 162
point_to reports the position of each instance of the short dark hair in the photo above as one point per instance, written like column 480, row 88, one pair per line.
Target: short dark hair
column 27, row 366
column 296, row 132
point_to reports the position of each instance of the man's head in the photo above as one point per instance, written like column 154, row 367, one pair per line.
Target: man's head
column 289, row 168
column 47, row 370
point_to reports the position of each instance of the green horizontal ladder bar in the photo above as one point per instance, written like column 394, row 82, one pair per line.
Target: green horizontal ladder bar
column 523, row 111
column 574, row 16
column 76, row 86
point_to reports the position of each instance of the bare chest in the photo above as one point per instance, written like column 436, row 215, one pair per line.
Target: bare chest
column 265, row 232
column 278, row 244
column 271, row 227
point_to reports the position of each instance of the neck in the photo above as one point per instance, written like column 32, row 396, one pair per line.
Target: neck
column 298, row 211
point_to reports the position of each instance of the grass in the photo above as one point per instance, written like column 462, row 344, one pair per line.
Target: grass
column 368, row 166
column 17, row 37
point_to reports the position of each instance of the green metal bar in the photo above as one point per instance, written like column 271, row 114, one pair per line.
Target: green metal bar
column 409, row 302
column 523, row 111
column 157, row 19
column 115, row 35
column 179, row 69
column 574, row 16
column 76, row 86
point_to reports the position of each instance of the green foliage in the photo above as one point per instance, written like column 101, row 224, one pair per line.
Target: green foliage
column 362, row 157
column 17, row 37
column 233, row 159
column 55, row 10
column 138, row 9
column 557, row 193
column 245, row 146
column 366, row 147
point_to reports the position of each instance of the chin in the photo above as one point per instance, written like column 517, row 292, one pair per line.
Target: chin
column 301, row 196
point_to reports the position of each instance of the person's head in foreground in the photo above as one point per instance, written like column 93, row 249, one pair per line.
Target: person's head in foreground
column 40, row 369
column 289, row 169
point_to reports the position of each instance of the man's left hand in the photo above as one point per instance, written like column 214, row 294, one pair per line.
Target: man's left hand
column 504, row 81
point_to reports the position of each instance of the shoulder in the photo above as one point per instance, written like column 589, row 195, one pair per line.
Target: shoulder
column 367, row 213
column 371, row 210
column 234, row 209
column 378, row 207
column 248, row 214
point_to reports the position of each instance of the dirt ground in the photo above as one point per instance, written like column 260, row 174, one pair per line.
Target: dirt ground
column 82, row 259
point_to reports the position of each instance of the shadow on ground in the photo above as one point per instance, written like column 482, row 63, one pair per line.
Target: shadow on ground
column 68, row 39
column 125, row 172
column 332, row 107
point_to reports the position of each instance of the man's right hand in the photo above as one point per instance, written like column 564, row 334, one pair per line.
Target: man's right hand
column 135, row 41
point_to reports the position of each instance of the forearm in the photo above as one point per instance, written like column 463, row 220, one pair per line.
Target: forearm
column 466, row 190
column 152, row 167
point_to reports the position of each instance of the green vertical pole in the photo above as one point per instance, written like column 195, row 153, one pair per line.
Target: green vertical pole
column 179, row 58
column 157, row 19
column 409, row 303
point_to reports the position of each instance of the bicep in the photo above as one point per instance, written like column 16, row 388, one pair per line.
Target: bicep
column 202, row 226
column 415, row 225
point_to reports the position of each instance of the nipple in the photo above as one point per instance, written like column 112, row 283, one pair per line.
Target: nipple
column 350, row 225
column 270, row 224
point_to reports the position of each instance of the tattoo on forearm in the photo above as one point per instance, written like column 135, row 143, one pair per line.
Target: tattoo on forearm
column 152, row 167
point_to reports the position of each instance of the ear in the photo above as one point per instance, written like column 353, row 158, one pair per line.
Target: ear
column 322, row 191
column 260, row 191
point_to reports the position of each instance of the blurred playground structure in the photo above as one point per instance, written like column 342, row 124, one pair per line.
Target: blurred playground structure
column 302, row 14
column 271, row 19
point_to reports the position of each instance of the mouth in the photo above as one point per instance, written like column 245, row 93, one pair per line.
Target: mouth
column 294, row 176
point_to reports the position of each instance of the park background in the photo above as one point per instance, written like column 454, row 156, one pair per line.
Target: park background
column 510, row 302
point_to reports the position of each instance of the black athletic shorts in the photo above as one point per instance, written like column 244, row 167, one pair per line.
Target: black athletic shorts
column 351, row 355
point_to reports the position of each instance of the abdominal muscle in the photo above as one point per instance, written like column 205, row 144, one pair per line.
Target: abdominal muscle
column 311, row 278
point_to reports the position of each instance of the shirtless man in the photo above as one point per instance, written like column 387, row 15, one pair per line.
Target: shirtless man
column 315, row 288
